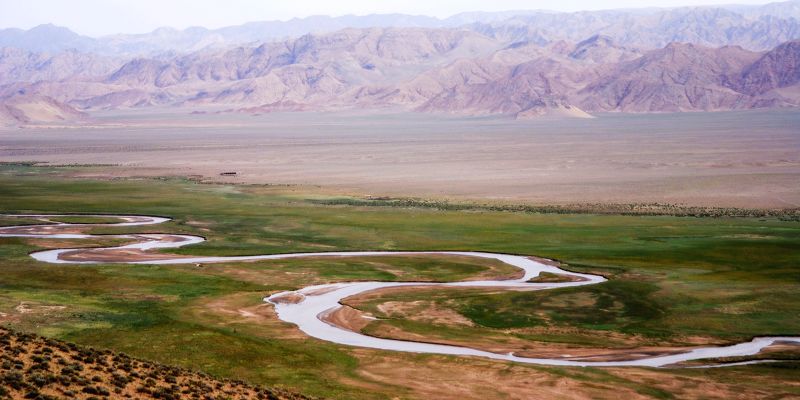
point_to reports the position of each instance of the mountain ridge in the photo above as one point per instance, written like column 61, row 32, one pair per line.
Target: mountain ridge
column 753, row 27
column 442, row 70
column 431, row 70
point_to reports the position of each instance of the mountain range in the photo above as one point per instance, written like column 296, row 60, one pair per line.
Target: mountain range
column 752, row 27
column 520, row 64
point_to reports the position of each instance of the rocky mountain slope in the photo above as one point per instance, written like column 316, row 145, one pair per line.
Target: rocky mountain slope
column 679, row 77
column 422, row 69
column 752, row 27
column 777, row 69
column 707, row 26
column 24, row 109
column 429, row 70
column 18, row 65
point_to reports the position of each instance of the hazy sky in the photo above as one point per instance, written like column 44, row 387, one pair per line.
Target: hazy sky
column 99, row 17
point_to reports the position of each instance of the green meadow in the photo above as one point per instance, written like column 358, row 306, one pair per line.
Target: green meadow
column 671, row 279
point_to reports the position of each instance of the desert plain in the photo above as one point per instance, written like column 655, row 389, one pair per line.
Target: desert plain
column 747, row 159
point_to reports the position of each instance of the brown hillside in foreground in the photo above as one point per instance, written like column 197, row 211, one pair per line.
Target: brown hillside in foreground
column 32, row 367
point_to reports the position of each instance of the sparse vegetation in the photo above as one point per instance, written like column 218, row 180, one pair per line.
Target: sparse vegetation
column 37, row 368
column 651, row 209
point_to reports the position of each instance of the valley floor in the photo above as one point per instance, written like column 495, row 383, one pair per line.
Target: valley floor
column 733, row 159
column 673, row 282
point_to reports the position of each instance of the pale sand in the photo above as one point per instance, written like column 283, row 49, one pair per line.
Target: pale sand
column 745, row 159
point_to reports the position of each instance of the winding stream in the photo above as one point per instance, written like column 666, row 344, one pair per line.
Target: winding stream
column 318, row 301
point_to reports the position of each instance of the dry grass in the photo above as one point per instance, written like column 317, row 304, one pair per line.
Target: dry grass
column 32, row 367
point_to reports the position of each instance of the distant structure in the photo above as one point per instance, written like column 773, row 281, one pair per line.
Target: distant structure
column 228, row 173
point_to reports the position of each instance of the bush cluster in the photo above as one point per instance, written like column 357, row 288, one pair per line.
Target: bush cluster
column 37, row 368
column 644, row 209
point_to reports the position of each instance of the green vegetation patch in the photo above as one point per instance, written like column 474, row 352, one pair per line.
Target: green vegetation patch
column 671, row 278
column 615, row 305
column 85, row 219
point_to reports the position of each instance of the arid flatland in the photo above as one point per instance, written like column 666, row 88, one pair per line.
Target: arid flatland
column 731, row 159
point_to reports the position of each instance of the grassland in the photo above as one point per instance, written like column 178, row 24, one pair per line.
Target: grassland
column 81, row 219
column 674, row 281
column 71, row 219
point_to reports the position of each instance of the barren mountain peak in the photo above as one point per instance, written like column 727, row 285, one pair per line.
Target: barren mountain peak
column 684, row 59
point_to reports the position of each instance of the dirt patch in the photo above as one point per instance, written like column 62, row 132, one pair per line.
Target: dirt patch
column 201, row 225
column 348, row 318
column 32, row 308
column 63, row 243
column 246, row 312
column 236, row 312
column 424, row 311
column 27, row 312
column 112, row 255
column 321, row 291
column 439, row 377
column 290, row 298
column 594, row 354
column 435, row 377
column 44, row 230
column 686, row 387
column 783, row 346
column 115, row 256
column 546, row 261
column 546, row 277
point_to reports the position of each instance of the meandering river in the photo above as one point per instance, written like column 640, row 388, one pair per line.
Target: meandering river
column 314, row 302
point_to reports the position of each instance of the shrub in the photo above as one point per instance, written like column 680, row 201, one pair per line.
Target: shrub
column 13, row 379
column 96, row 390
column 142, row 390
column 90, row 390
column 41, row 380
